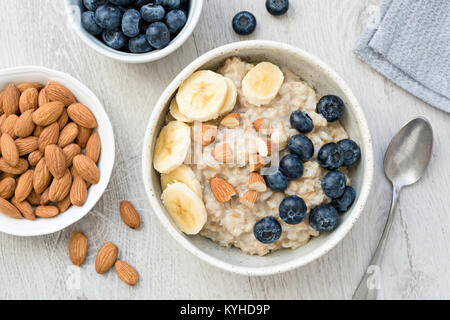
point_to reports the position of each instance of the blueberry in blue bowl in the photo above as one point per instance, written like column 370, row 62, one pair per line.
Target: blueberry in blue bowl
column 158, row 35
column 331, row 156
column 291, row 166
column 302, row 146
column 352, row 152
column 267, row 230
column 108, row 17
column 292, row 210
column 344, row 203
column 276, row 181
column 90, row 24
column 333, row 184
column 171, row 4
column 152, row 12
column 139, row 44
column 324, row 218
column 301, row 121
column 131, row 22
column 244, row 23
column 277, row 7
column 331, row 107
column 114, row 39
column 175, row 20
column 122, row 2
column 92, row 5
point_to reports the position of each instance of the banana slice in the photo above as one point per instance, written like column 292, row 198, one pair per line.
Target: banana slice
column 202, row 95
column 175, row 112
column 230, row 100
column 172, row 146
column 185, row 207
column 261, row 84
column 185, row 175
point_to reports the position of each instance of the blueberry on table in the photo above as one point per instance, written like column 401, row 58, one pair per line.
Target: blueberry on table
column 344, row 203
column 267, row 230
column 152, row 12
column 352, row 152
column 122, row 2
column 331, row 108
column 302, row 146
column 331, row 156
column 130, row 23
column 114, row 38
column 291, row 166
column 92, row 5
column 324, row 218
column 292, row 210
column 175, row 20
column 276, row 181
column 139, row 44
column 277, row 7
column 158, row 35
column 244, row 23
column 89, row 24
column 108, row 17
column 333, row 184
column 301, row 121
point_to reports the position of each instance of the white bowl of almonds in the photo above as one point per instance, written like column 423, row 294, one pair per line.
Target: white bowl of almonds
column 57, row 148
column 258, row 158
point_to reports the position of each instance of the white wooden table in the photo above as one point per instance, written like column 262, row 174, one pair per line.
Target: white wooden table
column 417, row 261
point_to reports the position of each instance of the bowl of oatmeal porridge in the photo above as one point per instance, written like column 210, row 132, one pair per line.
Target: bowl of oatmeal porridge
column 212, row 162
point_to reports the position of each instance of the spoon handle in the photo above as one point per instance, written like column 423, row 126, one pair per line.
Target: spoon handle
column 370, row 283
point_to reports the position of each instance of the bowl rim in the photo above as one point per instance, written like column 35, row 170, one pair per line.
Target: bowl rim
column 105, row 173
column 335, row 237
column 193, row 18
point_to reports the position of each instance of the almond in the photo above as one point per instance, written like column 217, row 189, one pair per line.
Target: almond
column 1, row 102
column 83, row 136
column 106, row 257
column 86, row 168
column 78, row 192
column 48, row 136
column 43, row 98
column 256, row 182
column 37, row 131
column 48, row 113
column 256, row 162
column 63, row 118
column 263, row 147
column 25, row 209
column 11, row 97
column 129, row 215
column 4, row 175
column 27, row 85
column 126, row 273
column 221, row 189
column 41, row 177
column 45, row 197
column 232, row 120
column 7, row 187
column 81, row 115
column 24, row 185
column 27, row 145
column 93, row 147
column 55, row 160
column 2, row 117
column 28, row 100
column 68, row 135
column 70, row 152
column 222, row 153
column 78, row 248
column 21, row 167
column 34, row 198
column 206, row 134
column 9, row 125
column 46, row 211
column 57, row 92
column 9, row 150
column 8, row 209
column 262, row 125
column 24, row 124
column 60, row 187
column 249, row 198
column 64, row 204
column 34, row 158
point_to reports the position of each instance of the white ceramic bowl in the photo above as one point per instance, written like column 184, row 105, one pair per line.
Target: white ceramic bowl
column 74, row 8
column 23, row 227
column 325, row 81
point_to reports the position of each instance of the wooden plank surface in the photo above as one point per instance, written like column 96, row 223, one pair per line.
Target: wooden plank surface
column 416, row 264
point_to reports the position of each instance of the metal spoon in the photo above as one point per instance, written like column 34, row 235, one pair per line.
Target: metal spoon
column 405, row 162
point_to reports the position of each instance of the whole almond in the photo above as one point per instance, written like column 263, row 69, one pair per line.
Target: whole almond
column 34, row 157
column 78, row 248
column 24, row 185
column 55, row 160
column 25, row 208
column 86, row 168
column 34, row 198
column 129, row 215
column 57, row 92
column 68, row 135
column 28, row 100
column 45, row 197
column 70, row 152
column 4, row 175
column 78, row 192
column 41, row 177
column 93, row 147
column 24, row 124
column 64, row 204
column 21, row 167
column 60, row 187
column 126, row 273
column 9, row 209
column 63, row 118
column 9, row 125
column 48, row 113
column 27, row 85
column 46, row 211
column 43, row 98
column 27, row 145
column 106, row 257
column 9, row 150
column 1, row 102
column 37, row 131
column 83, row 136
column 81, row 115
column 2, row 117
column 48, row 136
column 7, row 187
column 222, row 190
column 11, row 97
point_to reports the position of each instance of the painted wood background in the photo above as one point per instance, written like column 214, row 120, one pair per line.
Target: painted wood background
column 417, row 261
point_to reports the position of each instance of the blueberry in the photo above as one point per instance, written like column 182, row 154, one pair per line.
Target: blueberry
column 291, row 166
column 139, row 3
column 333, row 184
column 301, row 146
column 171, row 4
column 175, row 20
column 139, row 44
column 114, row 38
column 352, row 152
column 244, row 23
column 92, row 5
column 276, row 181
column 301, row 121
column 108, row 17
column 331, row 156
column 292, row 210
column 331, row 108
column 344, row 203
column 152, row 12
column 267, row 230
column 277, row 7
column 130, row 23
column 324, row 218
column 89, row 24
column 122, row 2
column 158, row 35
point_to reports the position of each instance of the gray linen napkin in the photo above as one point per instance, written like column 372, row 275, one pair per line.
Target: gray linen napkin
column 411, row 47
